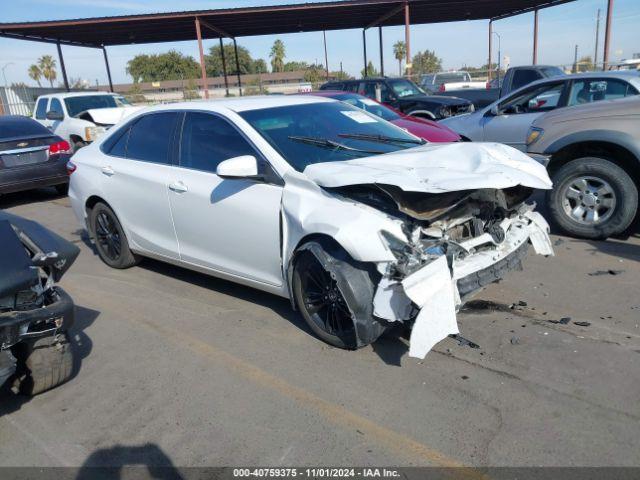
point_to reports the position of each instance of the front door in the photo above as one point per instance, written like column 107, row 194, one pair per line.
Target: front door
column 517, row 114
column 229, row 225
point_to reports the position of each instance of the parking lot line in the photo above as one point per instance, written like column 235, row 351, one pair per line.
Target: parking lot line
column 331, row 411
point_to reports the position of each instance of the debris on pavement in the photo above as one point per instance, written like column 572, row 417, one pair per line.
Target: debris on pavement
column 562, row 321
column 599, row 273
column 582, row 324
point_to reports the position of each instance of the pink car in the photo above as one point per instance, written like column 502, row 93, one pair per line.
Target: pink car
column 429, row 130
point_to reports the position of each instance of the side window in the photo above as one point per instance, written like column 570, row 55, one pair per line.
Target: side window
column 150, row 137
column 539, row 99
column 587, row 91
column 207, row 140
column 350, row 87
column 119, row 147
column 56, row 106
column 41, row 109
column 524, row 77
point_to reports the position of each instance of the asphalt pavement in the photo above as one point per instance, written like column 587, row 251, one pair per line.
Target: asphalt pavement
column 177, row 368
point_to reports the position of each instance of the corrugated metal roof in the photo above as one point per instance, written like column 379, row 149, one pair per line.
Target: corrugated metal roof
column 268, row 20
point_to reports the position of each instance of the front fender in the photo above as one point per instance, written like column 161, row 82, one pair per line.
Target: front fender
column 616, row 137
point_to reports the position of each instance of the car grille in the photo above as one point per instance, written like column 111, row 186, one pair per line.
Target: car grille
column 460, row 109
column 25, row 157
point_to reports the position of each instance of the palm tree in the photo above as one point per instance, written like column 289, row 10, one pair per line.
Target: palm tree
column 399, row 51
column 48, row 67
column 35, row 73
column 277, row 56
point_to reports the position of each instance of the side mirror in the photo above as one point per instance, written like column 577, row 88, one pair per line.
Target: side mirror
column 244, row 166
column 53, row 115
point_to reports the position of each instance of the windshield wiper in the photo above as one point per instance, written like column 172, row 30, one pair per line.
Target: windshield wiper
column 326, row 143
column 381, row 138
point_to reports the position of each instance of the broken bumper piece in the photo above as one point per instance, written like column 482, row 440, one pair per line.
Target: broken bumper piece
column 437, row 290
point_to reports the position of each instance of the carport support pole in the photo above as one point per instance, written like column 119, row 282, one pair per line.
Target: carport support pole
column 106, row 63
column 203, row 68
column 381, row 55
column 224, row 68
column 489, row 71
column 235, row 48
column 64, row 70
column 326, row 57
column 607, row 36
column 535, row 37
column 364, row 48
column 407, row 39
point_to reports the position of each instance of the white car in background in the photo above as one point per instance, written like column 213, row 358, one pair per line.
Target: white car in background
column 81, row 117
column 361, row 224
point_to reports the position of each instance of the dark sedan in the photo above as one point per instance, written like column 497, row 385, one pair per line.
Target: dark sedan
column 31, row 156
column 405, row 96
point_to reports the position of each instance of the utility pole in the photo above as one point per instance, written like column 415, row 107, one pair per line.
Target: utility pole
column 595, row 55
column 575, row 60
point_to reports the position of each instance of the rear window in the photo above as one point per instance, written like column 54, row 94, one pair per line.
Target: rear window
column 20, row 127
column 524, row 77
column 552, row 71
column 150, row 137
column 452, row 78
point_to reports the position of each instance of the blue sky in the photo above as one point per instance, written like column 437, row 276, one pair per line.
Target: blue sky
column 458, row 43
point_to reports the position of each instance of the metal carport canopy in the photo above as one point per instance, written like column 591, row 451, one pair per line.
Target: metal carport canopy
column 268, row 20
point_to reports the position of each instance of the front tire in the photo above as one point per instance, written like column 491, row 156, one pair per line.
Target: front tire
column 593, row 198
column 111, row 241
column 334, row 294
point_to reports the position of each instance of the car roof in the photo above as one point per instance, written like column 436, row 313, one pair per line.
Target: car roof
column 77, row 94
column 242, row 104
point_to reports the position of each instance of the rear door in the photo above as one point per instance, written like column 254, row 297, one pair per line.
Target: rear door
column 228, row 225
column 519, row 111
column 134, row 177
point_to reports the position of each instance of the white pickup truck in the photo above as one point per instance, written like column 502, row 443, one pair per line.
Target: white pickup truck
column 81, row 117
column 449, row 82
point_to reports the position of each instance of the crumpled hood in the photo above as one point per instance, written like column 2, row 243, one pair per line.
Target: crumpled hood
column 111, row 116
column 437, row 168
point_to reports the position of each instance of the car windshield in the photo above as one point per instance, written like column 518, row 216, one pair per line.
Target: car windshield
column 552, row 71
column 324, row 132
column 76, row 105
column 368, row 105
column 405, row 88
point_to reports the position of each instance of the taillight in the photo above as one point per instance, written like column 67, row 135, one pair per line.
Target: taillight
column 59, row 147
column 442, row 88
column 71, row 167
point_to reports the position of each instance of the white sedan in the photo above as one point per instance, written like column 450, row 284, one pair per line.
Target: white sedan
column 358, row 222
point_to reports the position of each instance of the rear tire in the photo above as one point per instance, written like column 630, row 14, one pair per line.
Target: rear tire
column 43, row 363
column 331, row 290
column 587, row 185
column 111, row 241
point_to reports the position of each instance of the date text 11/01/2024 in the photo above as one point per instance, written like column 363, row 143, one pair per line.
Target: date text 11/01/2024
column 316, row 472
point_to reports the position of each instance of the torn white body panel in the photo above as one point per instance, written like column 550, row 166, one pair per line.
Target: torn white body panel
column 111, row 116
column 437, row 168
column 432, row 289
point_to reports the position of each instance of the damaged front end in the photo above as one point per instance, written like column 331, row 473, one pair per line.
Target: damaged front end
column 32, row 260
column 454, row 244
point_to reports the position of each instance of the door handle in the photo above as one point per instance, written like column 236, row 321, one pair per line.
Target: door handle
column 178, row 187
column 108, row 171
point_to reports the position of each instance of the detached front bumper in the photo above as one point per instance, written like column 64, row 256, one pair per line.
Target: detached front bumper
column 57, row 315
column 437, row 290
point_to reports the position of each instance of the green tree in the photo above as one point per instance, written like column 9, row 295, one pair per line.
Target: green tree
column 585, row 64
column 295, row 66
column 260, row 66
column 277, row 56
column 190, row 91
column 400, row 52
column 35, row 73
column 315, row 74
column 213, row 61
column 47, row 66
column 340, row 75
column 426, row 62
column 172, row 65
column 371, row 71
